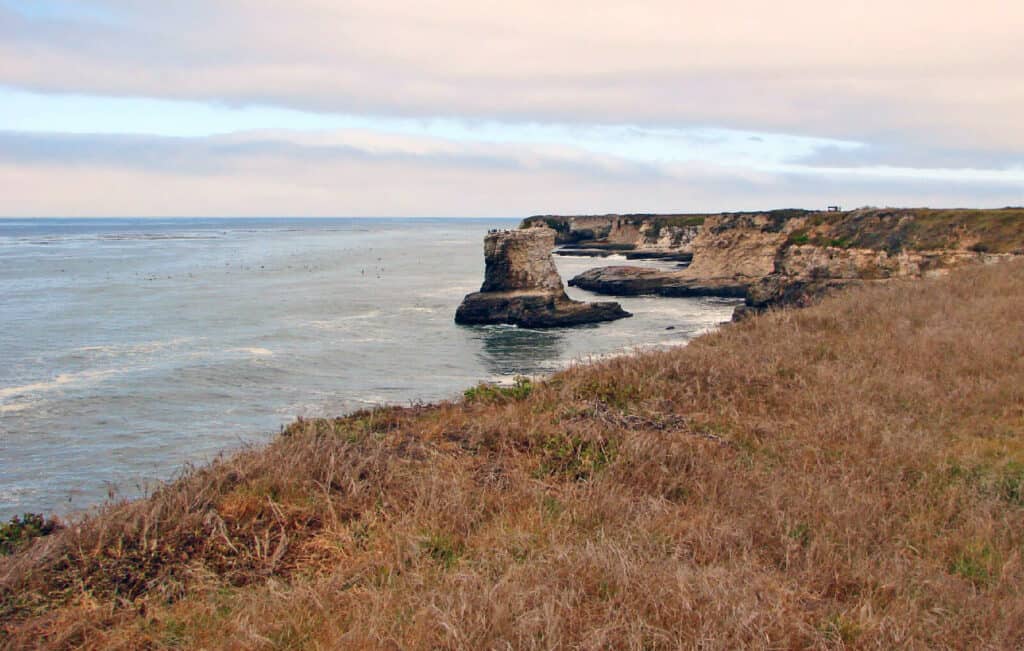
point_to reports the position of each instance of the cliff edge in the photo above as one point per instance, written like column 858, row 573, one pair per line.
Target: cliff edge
column 793, row 257
column 522, row 286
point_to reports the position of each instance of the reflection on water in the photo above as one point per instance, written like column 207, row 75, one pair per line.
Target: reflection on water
column 508, row 350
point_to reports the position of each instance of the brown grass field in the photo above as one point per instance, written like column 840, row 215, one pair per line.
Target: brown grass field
column 850, row 475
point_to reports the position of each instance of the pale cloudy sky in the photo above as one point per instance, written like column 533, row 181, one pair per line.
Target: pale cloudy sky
column 461, row 107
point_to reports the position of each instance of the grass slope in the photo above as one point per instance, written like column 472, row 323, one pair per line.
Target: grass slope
column 921, row 229
column 849, row 475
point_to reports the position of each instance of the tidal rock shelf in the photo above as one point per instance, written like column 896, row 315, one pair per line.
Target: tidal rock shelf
column 634, row 281
column 522, row 286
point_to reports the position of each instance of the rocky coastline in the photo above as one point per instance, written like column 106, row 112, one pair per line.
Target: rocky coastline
column 783, row 257
column 522, row 286
column 636, row 486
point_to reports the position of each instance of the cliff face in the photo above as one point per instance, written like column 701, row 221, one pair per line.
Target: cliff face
column 520, row 260
column 740, row 246
column 729, row 253
column 641, row 232
column 792, row 256
column 522, row 286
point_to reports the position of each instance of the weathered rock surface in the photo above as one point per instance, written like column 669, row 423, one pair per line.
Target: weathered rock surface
column 621, row 280
column 632, row 281
column 660, row 255
column 655, row 233
column 729, row 253
column 586, row 253
column 794, row 257
column 522, row 286
column 805, row 274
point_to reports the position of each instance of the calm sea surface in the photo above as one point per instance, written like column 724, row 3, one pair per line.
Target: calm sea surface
column 129, row 348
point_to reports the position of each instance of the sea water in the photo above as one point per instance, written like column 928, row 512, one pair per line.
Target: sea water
column 129, row 348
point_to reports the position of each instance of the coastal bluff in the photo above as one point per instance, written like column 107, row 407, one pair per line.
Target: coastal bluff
column 522, row 286
column 785, row 257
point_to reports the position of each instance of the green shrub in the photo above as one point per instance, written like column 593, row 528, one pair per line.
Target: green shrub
column 801, row 534
column 611, row 393
column 19, row 531
column 976, row 563
column 559, row 225
column 490, row 393
column 1010, row 484
column 442, row 549
column 575, row 457
column 798, row 237
column 841, row 629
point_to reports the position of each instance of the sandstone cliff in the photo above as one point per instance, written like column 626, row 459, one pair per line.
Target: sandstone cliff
column 522, row 286
column 794, row 256
column 623, row 232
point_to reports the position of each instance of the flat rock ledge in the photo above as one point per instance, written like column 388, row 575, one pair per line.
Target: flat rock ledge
column 533, row 310
column 634, row 281
column 522, row 286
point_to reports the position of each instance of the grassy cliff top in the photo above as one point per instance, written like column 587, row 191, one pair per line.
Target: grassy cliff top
column 560, row 222
column 893, row 229
column 848, row 474
column 987, row 231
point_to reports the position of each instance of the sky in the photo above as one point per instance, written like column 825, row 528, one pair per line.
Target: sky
column 482, row 108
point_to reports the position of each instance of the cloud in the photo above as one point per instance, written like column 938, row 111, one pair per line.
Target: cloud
column 918, row 72
column 898, row 155
column 361, row 173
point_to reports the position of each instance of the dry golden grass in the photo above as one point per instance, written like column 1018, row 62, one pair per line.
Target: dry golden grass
column 849, row 475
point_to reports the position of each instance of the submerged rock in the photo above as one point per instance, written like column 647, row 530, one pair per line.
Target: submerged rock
column 522, row 286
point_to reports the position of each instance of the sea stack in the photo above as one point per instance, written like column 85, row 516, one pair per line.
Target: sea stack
column 522, row 286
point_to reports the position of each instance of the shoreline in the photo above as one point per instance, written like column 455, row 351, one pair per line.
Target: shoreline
column 188, row 374
column 756, row 469
column 75, row 517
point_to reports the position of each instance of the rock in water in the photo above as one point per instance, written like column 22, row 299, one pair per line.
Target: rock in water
column 522, row 286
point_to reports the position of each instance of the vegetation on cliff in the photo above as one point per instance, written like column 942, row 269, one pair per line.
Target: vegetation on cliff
column 851, row 474
column 886, row 229
column 795, row 257
column 918, row 229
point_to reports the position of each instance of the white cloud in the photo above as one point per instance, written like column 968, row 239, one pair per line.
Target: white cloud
column 585, row 106
column 356, row 173
column 917, row 71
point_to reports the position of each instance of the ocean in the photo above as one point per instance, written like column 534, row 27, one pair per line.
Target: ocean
column 132, row 347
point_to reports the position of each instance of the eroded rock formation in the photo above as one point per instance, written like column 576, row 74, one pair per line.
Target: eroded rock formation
column 729, row 253
column 522, row 286
column 793, row 257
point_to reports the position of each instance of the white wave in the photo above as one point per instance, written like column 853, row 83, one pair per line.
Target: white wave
column 61, row 380
column 16, row 494
column 510, row 380
column 116, row 237
column 368, row 340
column 453, row 290
column 17, row 406
column 134, row 349
column 342, row 321
column 371, row 400
column 255, row 352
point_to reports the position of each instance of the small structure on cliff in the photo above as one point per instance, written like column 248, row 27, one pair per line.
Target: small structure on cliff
column 522, row 286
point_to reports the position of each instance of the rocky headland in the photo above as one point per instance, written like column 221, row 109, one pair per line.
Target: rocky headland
column 522, row 286
column 787, row 257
